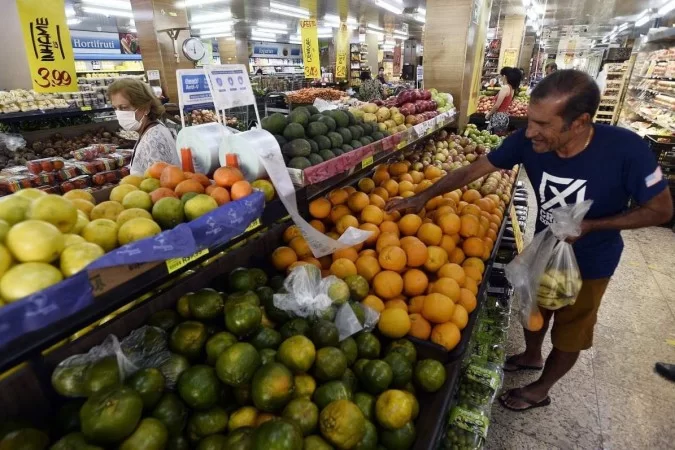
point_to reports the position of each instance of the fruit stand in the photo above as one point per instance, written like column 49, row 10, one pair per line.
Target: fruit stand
column 184, row 294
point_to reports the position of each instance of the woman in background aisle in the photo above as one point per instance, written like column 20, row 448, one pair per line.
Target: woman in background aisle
column 370, row 89
column 138, row 109
column 498, row 117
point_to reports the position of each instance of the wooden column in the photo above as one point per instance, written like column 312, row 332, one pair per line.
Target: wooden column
column 157, row 47
column 454, row 42
column 513, row 31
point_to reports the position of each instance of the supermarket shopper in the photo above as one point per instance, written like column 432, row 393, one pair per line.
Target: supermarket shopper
column 380, row 76
column 138, row 109
column 498, row 116
column 370, row 89
column 568, row 160
column 550, row 68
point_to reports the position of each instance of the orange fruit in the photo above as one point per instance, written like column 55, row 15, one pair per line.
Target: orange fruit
column 447, row 287
column 186, row 186
column 454, row 271
column 431, row 172
column 450, row 223
column 392, row 258
column 396, row 303
column 416, row 303
column 470, row 226
column 171, row 176
column 357, row 201
column 405, row 177
column 345, row 222
column 375, row 233
column 338, row 211
column 456, row 256
column 393, row 216
column 373, row 302
column 342, row 268
column 203, row 179
column 380, row 176
column 416, row 252
column 387, row 284
column 318, row 225
column 430, row 234
column 467, row 299
column 474, row 262
column 471, row 209
column 419, row 327
column 391, row 187
column 388, row 226
column 387, row 239
column 349, row 189
column 338, row 196
column 366, row 185
column 155, row 170
column 160, row 193
column 348, row 252
column 409, row 224
column 437, row 257
column 368, row 252
column 473, row 246
column 471, row 285
column 240, row 189
column 460, row 317
column 372, row 214
column 398, row 168
column 381, row 192
column 333, row 235
column 312, row 260
column 406, row 186
column 367, row 267
column 210, row 188
column 447, row 243
column 536, row 321
column 220, row 195
column 485, row 204
column 283, row 257
column 437, row 308
column 320, row 208
column 376, row 200
column 394, row 323
column 471, row 195
column 446, row 335
column 326, row 261
column 300, row 247
column 415, row 282
column 291, row 232
column 227, row 176
column 474, row 273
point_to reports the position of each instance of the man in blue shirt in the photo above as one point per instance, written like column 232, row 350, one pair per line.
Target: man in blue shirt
column 568, row 160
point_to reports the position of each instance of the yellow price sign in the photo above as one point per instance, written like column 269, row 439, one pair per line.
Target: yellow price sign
column 367, row 162
column 310, row 48
column 48, row 48
column 175, row 264
column 85, row 108
column 517, row 233
column 255, row 224
column 342, row 51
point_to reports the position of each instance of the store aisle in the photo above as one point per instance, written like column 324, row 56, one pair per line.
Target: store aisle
column 612, row 398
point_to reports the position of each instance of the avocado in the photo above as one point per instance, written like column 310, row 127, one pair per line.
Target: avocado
column 297, row 147
column 317, row 129
column 367, row 129
column 294, row 131
column 341, row 118
column 299, row 162
column 377, row 136
column 299, row 116
column 335, row 139
column 337, row 151
column 326, row 154
column 346, row 134
column 314, row 145
column 315, row 159
column 323, row 142
column 314, row 117
column 302, row 109
column 365, row 140
column 329, row 121
column 356, row 131
column 275, row 123
column 352, row 119
column 347, row 148
column 312, row 110
column 355, row 144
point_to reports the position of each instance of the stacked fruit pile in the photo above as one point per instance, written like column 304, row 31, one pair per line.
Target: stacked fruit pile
column 308, row 138
column 225, row 377
column 420, row 271
column 518, row 107
column 46, row 237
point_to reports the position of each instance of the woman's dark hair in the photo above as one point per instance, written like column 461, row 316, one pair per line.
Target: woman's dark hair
column 513, row 77
column 579, row 89
column 505, row 70
column 365, row 75
column 381, row 68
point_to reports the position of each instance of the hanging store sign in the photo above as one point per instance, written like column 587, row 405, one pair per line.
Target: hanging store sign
column 510, row 57
column 274, row 50
column 342, row 52
column 95, row 42
column 310, row 48
column 193, row 89
column 230, row 85
column 397, row 60
column 48, row 48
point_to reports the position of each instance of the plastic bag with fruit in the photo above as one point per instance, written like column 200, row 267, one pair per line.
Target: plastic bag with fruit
column 546, row 274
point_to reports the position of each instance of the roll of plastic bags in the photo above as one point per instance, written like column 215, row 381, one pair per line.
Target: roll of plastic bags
column 204, row 141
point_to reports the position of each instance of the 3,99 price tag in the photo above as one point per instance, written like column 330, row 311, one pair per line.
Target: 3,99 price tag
column 367, row 162
column 51, row 78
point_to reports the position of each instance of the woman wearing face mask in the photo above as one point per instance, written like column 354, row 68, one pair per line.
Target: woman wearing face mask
column 138, row 109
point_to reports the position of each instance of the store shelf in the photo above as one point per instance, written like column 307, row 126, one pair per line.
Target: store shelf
column 52, row 113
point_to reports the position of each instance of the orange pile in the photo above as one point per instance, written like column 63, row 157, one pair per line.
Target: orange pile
column 428, row 264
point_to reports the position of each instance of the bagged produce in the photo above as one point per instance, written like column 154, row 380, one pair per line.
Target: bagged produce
column 111, row 362
column 546, row 273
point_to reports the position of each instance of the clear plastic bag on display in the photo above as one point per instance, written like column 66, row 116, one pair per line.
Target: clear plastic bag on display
column 467, row 427
column 306, row 294
column 111, row 362
column 480, row 383
column 546, row 272
column 12, row 142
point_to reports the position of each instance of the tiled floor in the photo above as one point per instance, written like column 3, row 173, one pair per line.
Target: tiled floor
column 612, row 398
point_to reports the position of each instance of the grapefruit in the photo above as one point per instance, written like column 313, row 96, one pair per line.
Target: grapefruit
column 199, row 205
column 13, row 208
column 27, row 278
column 35, row 241
column 54, row 209
column 137, row 199
column 119, row 192
column 168, row 212
column 102, row 232
column 78, row 256
column 136, row 229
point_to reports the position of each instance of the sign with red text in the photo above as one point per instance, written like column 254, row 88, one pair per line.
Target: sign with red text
column 310, row 48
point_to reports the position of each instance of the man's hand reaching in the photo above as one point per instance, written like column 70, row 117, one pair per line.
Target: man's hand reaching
column 410, row 205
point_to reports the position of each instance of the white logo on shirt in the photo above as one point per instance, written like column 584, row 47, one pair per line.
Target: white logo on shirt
column 555, row 191
column 654, row 178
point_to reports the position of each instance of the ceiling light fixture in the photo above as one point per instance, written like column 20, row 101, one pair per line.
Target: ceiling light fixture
column 668, row 7
column 255, row 33
column 372, row 26
column 215, row 35
column 73, row 21
column 294, row 41
column 325, row 36
column 188, row 3
column 288, row 10
column 273, row 25
column 116, row 4
column 643, row 20
column 224, row 24
column 394, row 6
column 332, row 18
column 108, row 12
column 207, row 18
column 532, row 14
column 70, row 12
column 526, row 3
column 262, row 39
column 263, row 31
column 624, row 26
column 132, row 30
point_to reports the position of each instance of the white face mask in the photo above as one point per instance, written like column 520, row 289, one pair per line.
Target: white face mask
column 127, row 120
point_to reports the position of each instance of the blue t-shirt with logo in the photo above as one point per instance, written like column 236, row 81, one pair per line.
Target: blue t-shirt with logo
column 616, row 166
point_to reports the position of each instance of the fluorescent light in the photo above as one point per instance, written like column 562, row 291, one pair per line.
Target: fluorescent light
column 263, row 34
column 538, row 9
column 526, row 3
column 294, row 41
column 70, row 12
column 132, row 30
column 532, row 14
column 73, row 21
column 118, row 4
column 215, row 25
column 288, row 10
column 215, row 17
column 215, row 35
column 668, row 7
column 273, row 25
column 265, row 31
column 108, row 12
column 643, row 20
column 400, row 33
column 395, row 8
column 262, row 39
column 187, row 3
column 283, row 12
column 325, row 36
column 324, row 30
column 335, row 19
column 372, row 26
column 421, row 11
column 623, row 26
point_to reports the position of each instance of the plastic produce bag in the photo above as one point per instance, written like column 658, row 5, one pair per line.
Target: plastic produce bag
column 306, row 293
column 468, row 426
column 12, row 142
column 111, row 362
column 546, row 273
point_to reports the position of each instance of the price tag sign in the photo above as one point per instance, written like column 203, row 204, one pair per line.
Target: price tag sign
column 367, row 162
column 310, row 48
column 230, row 85
column 175, row 264
column 48, row 48
column 517, row 233
column 255, row 224
column 85, row 108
